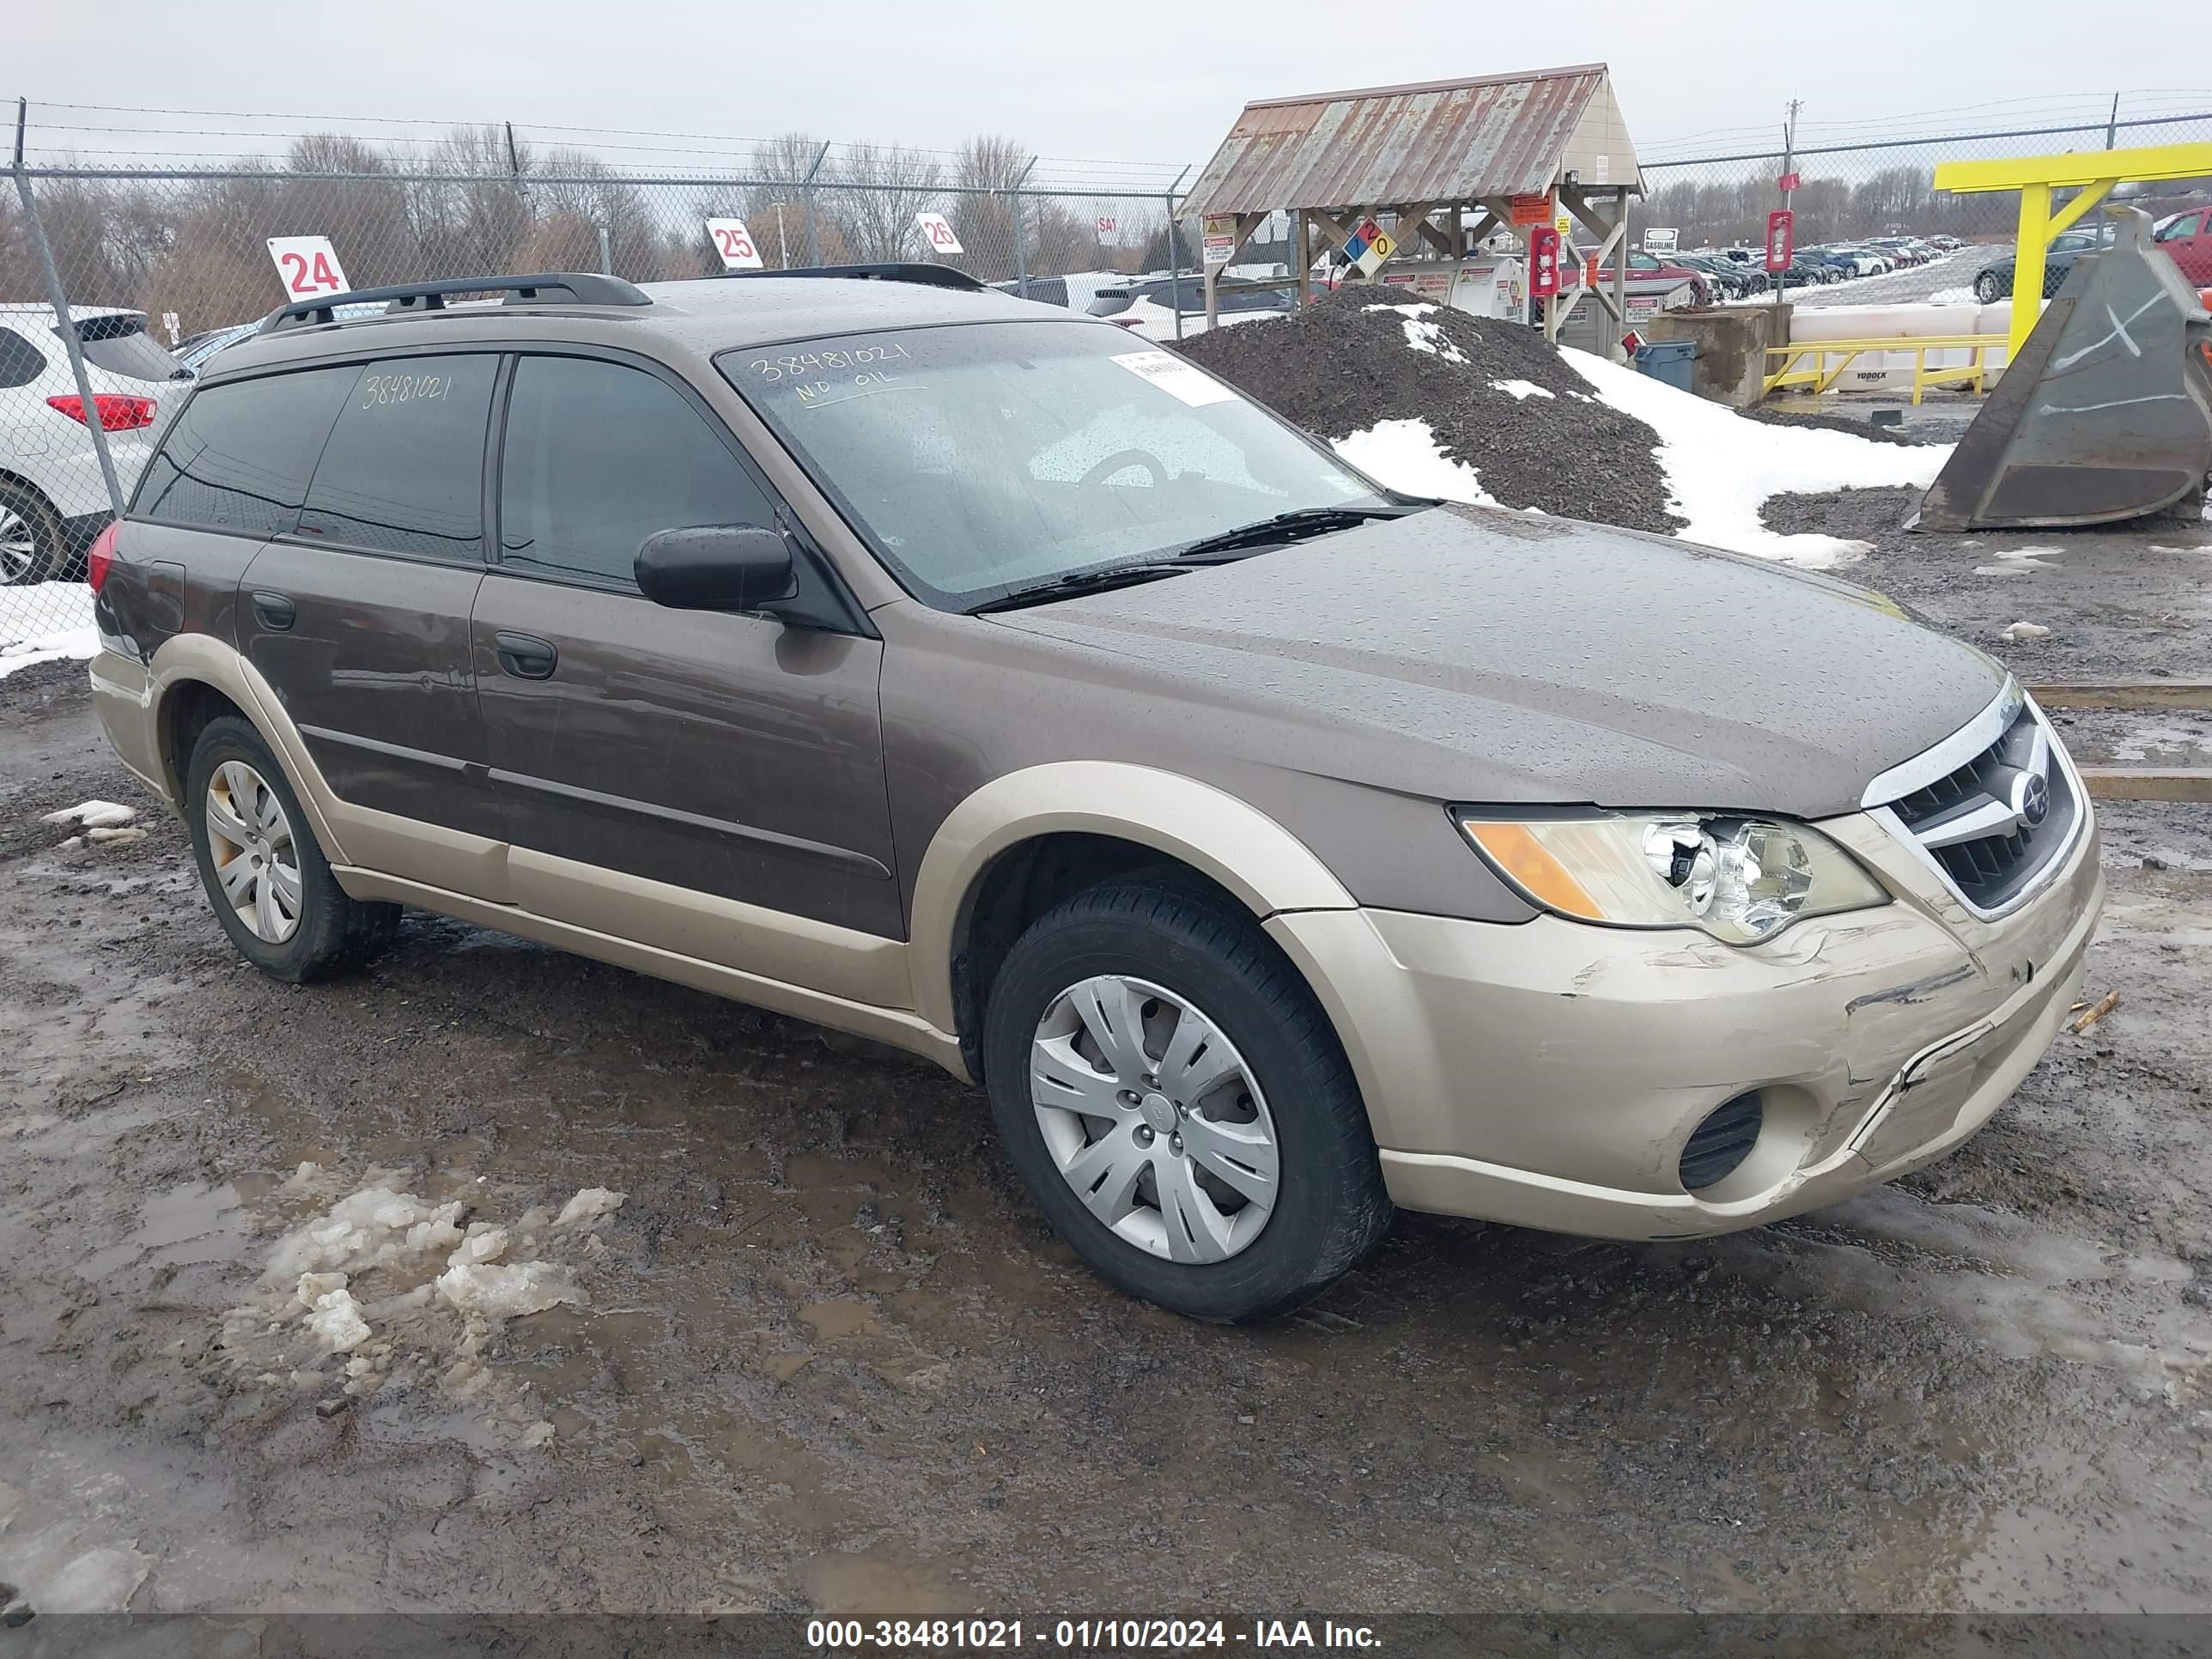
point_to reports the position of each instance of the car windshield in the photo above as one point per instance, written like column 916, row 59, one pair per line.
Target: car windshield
column 985, row 458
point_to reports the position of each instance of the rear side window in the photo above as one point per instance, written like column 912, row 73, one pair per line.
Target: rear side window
column 597, row 457
column 238, row 457
column 118, row 343
column 20, row 362
column 404, row 470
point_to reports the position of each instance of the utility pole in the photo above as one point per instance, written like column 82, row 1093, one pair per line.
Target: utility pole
column 2112, row 124
column 1781, row 279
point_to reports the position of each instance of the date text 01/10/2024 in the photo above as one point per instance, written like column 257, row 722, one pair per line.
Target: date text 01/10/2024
column 1081, row 1635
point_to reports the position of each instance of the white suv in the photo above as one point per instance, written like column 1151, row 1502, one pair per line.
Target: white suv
column 52, row 499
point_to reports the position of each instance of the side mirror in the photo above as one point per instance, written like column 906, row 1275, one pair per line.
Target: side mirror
column 717, row 567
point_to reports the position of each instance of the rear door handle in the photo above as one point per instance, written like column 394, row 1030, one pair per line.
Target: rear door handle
column 276, row 611
column 525, row 656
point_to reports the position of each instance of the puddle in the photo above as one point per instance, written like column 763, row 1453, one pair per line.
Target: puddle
column 194, row 1223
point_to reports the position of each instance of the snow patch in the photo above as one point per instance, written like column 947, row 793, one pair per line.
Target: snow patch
column 367, row 1229
column 1405, row 456
column 1522, row 390
column 1422, row 335
column 92, row 815
column 333, row 1318
column 589, row 1204
column 507, row 1292
column 46, row 622
column 1721, row 466
column 2019, row 560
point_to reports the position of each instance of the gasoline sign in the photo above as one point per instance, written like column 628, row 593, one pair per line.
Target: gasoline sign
column 1781, row 238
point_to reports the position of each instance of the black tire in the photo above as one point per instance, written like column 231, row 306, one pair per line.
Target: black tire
column 335, row 933
column 49, row 550
column 1988, row 289
column 1158, row 925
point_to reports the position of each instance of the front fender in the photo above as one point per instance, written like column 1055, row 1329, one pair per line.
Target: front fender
column 1268, row 869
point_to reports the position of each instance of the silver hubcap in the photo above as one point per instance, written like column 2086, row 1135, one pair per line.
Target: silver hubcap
column 1154, row 1119
column 17, row 549
column 257, row 863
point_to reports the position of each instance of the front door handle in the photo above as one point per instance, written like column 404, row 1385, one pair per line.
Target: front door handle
column 525, row 656
column 277, row 612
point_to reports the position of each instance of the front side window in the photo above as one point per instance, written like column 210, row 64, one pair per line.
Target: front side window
column 2180, row 228
column 981, row 458
column 239, row 456
column 404, row 470
column 599, row 456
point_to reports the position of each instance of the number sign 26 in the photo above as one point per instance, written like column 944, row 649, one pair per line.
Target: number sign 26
column 308, row 267
column 735, row 244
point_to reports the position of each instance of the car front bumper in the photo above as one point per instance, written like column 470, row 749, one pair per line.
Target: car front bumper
column 1549, row 1075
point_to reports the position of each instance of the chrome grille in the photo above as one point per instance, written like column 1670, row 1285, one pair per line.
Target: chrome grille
column 1991, row 808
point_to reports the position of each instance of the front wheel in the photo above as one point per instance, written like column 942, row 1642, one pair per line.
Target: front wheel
column 1177, row 1103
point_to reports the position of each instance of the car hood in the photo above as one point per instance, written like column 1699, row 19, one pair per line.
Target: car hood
column 1470, row 654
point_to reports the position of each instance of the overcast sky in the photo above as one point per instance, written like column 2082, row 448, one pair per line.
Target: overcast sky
column 1145, row 80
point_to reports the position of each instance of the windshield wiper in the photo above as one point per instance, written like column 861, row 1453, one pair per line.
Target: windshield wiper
column 1090, row 582
column 1292, row 526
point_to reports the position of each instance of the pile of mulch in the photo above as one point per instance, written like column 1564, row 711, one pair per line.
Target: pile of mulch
column 1342, row 364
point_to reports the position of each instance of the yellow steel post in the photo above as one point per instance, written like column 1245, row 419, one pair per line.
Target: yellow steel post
column 2028, row 263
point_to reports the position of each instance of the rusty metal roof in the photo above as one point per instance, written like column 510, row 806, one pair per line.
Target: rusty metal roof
column 1439, row 141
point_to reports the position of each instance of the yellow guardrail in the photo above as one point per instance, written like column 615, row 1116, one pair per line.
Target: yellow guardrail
column 1829, row 359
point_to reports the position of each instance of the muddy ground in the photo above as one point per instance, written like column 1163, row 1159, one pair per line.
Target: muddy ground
column 827, row 1357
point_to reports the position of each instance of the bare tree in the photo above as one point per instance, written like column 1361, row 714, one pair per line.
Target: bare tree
column 777, row 207
column 985, row 223
column 874, row 192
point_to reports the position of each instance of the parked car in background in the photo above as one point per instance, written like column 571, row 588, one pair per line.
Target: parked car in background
column 2188, row 238
column 52, row 498
column 1272, row 848
column 1730, row 280
column 194, row 350
column 1149, row 308
column 1993, row 281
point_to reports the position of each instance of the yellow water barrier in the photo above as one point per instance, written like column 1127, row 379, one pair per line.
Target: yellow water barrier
column 1821, row 374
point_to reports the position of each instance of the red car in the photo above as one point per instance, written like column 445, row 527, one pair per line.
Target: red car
column 2187, row 237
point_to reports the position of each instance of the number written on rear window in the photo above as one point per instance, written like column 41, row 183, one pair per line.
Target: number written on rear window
column 378, row 390
column 406, row 474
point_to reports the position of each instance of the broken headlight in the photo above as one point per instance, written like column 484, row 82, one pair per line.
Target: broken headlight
column 1742, row 879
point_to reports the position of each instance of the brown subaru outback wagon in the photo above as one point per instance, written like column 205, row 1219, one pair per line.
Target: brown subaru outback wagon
column 1272, row 847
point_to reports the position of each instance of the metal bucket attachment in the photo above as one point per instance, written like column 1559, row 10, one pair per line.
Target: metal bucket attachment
column 2105, row 413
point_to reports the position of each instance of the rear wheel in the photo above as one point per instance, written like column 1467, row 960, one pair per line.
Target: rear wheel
column 32, row 543
column 1177, row 1103
column 270, row 885
column 1988, row 289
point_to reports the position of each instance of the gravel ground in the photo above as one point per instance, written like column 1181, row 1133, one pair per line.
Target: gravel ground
column 2121, row 603
column 827, row 1357
column 1344, row 364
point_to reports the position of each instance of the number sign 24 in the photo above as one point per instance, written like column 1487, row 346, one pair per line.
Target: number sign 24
column 308, row 266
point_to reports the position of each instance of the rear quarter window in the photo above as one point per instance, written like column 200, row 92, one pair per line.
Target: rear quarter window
column 20, row 362
column 404, row 470
column 240, row 455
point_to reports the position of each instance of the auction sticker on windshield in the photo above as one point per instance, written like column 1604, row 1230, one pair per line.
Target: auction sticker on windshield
column 1176, row 378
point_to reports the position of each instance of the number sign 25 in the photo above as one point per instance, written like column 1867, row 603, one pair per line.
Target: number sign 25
column 735, row 244
column 308, row 267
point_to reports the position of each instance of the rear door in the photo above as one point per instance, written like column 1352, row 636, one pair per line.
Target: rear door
column 359, row 615
column 727, row 755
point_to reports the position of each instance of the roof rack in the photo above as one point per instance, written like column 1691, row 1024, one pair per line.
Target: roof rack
column 586, row 288
column 889, row 271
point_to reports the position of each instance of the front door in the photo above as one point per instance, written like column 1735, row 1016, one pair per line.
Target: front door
column 706, row 753
column 359, row 615
column 2189, row 240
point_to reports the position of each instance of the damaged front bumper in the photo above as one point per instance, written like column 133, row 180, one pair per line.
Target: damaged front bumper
column 1550, row 1074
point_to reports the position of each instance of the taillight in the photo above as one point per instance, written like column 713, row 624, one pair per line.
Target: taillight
column 99, row 557
column 117, row 412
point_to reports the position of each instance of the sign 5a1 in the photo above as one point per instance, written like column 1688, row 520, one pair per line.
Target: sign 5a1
column 308, row 267
column 1544, row 262
column 1781, row 238
column 734, row 243
column 1105, row 227
column 938, row 229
